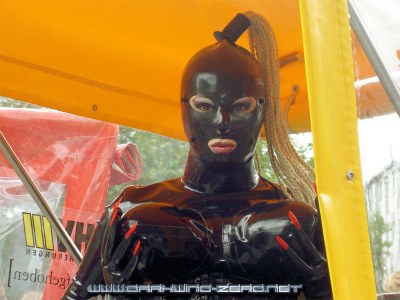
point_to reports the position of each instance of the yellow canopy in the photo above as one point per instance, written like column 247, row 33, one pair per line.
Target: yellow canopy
column 121, row 61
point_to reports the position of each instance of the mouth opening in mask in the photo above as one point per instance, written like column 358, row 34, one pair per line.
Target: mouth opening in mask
column 222, row 146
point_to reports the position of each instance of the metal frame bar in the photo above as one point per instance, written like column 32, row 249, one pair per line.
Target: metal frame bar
column 39, row 199
column 376, row 61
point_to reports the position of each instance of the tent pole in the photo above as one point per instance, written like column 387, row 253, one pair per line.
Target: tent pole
column 39, row 199
column 376, row 61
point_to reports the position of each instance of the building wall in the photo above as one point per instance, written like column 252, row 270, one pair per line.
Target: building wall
column 383, row 197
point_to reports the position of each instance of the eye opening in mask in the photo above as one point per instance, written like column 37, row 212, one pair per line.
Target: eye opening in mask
column 201, row 104
column 244, row 105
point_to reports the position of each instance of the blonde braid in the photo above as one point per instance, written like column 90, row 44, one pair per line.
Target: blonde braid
column 258, row 161
column 295, row 176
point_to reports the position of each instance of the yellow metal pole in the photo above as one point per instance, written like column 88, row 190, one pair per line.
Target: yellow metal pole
column 333, row 112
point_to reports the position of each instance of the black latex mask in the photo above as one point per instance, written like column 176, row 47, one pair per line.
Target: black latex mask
column 222, row 104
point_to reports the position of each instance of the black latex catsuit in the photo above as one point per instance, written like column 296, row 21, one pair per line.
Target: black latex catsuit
column 218, row 224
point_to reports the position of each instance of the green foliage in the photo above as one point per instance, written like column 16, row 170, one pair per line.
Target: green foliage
column 302, row 146
column 163, row 158
column 380, row 246
column 263, row 162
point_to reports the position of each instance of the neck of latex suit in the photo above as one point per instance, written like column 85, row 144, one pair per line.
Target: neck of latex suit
column 219, row 177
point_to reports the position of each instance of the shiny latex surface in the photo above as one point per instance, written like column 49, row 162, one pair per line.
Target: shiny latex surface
column 190, row 237
column 222, row 113
column 223, row 74
column 185, row 234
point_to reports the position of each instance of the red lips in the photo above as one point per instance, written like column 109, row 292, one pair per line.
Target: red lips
column 222, row 146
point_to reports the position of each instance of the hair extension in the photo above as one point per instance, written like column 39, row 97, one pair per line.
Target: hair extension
column 295, row 176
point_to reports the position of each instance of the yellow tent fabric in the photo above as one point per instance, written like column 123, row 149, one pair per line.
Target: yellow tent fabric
column 121, row 61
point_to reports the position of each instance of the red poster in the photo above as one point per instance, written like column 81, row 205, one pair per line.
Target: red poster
column 70, row 158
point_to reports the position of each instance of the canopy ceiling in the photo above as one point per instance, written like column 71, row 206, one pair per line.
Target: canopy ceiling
column 121, row 61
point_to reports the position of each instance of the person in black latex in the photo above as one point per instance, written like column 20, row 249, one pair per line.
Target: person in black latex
column 221, row 222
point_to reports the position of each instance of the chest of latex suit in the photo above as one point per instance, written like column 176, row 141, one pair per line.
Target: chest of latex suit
column 188, row 236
